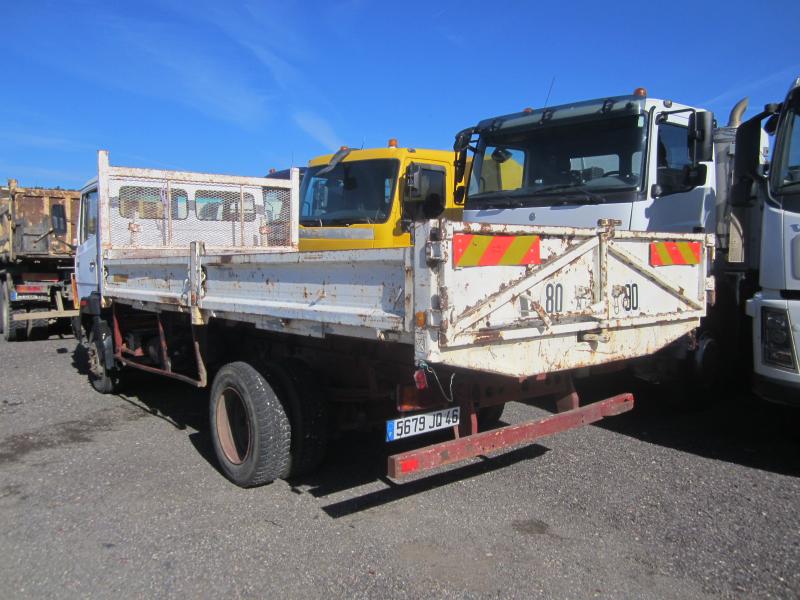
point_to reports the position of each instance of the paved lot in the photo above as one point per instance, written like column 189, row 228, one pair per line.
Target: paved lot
column 118, row 496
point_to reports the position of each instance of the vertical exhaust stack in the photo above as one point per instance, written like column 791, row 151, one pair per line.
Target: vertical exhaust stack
column 737, row 111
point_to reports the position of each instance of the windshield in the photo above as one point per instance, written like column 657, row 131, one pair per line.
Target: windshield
column 789, row 167
column 359, row 191
column 580, row 159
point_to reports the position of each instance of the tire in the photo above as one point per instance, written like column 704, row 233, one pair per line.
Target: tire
column 13, row 331
column 250, row 427
column 3, row 304
column 38, row 329
column 489, row 416
column 308, row 413
column 102, row 379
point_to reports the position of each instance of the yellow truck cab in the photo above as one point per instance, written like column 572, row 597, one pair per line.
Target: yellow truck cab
column 363, row 198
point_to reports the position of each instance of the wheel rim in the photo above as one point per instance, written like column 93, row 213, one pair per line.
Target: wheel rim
column 233, row 426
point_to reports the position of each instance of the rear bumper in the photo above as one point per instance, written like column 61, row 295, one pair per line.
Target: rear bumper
column 504, row 438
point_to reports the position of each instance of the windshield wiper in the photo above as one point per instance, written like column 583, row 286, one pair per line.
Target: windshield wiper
column 496, row 199
column 311, row 222
column 590, row 197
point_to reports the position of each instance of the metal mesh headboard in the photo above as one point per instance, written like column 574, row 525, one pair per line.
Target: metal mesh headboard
column 144, row 209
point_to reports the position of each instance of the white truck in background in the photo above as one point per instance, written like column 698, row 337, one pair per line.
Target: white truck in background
column 190, row 276
column 655, row 165
column 765, row 216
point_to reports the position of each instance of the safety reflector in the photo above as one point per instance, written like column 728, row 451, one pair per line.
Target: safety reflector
column 471, row 250
column 409, row 465
column 664, row 254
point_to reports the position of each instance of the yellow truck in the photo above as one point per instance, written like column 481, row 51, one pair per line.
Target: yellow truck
column 367, row 198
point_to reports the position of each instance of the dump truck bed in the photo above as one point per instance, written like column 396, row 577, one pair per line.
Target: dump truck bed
column 511, row 300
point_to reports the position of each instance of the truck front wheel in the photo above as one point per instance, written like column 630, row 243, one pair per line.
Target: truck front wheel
column 103, row 379
column 250, row 428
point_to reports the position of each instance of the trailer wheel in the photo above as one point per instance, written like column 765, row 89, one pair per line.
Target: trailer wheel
column 103, row 379
column 308, row 412
column 38, row 329
column 250, row 427
column 489, row 416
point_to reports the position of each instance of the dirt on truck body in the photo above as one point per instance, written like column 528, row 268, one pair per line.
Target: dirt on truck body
column 37, row 230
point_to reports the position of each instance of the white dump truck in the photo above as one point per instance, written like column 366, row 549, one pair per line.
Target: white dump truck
column 198, row 277
column 656, row 165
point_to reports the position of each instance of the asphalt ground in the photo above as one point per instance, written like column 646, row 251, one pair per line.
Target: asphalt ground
column 119, row 497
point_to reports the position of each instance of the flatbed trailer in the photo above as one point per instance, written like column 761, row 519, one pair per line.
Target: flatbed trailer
column 299, row 345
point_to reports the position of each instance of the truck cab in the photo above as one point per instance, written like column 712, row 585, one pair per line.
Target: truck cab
column 638, row 160
column 367, row 198
column 773, row 196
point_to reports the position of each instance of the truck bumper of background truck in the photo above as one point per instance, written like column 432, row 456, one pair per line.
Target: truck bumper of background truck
column 772, row 382
column 504, row 438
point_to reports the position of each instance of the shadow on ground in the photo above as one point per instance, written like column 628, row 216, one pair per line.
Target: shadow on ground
column 740, row 430
column 728, row 425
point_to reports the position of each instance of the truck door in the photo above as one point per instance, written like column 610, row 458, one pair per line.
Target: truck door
column 674, row 206
column 86, row 255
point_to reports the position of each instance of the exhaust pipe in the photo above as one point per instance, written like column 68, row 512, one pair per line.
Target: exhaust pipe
column 737, row 111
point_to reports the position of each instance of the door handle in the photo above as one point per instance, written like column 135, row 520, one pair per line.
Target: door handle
column 91, row 265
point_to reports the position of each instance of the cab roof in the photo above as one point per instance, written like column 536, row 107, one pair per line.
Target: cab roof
column 389, row 152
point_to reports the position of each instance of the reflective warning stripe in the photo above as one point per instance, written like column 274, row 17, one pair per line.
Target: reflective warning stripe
column 664, row 254
column 489, row 250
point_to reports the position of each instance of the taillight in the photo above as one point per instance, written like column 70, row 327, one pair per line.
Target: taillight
column 777, row 348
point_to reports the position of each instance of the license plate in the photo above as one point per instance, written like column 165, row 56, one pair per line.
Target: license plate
column 398, row 429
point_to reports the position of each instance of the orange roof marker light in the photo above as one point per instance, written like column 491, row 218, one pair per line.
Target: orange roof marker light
column 392, row 142
column 343, row 148
column 640, row 92
column 527, row 110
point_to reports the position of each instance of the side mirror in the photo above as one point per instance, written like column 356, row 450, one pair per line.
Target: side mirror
column 463, row 138
column 701, row 136
column 58, row 219
column 414, row 182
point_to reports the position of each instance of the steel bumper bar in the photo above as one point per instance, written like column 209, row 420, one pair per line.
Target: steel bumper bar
column 479, row 444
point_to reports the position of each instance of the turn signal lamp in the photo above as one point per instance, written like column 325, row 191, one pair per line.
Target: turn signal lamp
column 392, row 142
column 342, row 148
column 420, row 318
column 527, row 110
column 640, row 92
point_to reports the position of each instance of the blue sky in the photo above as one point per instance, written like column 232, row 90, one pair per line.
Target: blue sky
column 239, row 87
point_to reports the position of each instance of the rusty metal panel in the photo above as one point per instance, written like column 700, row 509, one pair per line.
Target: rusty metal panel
column 594, row 298
column 25, row 228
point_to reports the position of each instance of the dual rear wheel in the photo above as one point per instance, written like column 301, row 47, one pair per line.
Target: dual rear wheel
column 266, row 424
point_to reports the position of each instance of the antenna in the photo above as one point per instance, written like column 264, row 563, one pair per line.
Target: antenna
column 363, row 141
column 552, row 82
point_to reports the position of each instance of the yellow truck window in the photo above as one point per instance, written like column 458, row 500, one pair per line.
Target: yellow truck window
column 351, row 192
column 148, row 202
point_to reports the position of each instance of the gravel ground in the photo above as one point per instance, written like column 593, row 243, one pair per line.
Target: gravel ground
column 119, row 496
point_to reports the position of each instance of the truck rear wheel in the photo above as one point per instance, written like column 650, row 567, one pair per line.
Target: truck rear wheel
column 308, row 412
column 250, row 428
column 13, row 331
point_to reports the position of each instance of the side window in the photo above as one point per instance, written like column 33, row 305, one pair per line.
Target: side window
column 148, row 202
column 430, row 202
column 502, row 169
column 88, row 215
column 672, row 155
column 218, row 205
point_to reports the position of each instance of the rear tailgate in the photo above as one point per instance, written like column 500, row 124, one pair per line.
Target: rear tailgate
column 523, row 300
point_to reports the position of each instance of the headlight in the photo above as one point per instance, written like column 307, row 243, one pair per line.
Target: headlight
column 776, row 339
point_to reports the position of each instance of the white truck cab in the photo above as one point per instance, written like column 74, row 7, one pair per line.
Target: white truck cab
column 638, row 160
